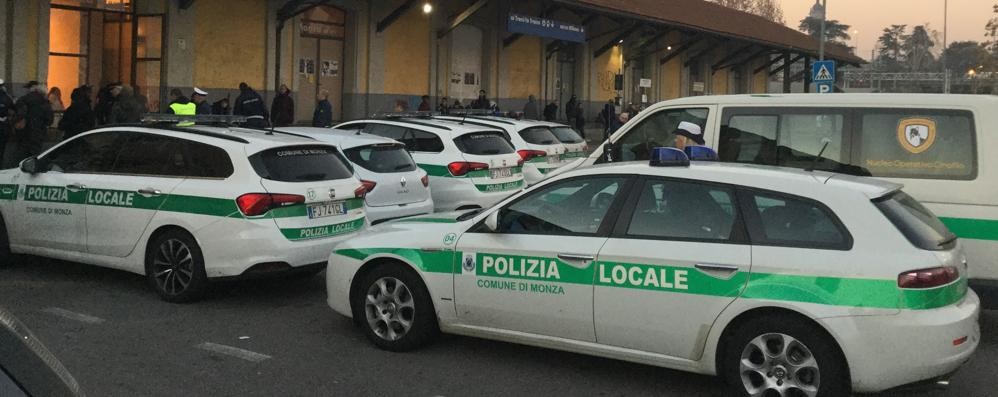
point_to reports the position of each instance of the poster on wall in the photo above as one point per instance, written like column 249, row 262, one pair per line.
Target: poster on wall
column 301, row 65
column 335, row 68
column 309, row 66
column 327, row 68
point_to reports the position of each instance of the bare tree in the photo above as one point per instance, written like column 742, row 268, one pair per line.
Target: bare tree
column 769, row 9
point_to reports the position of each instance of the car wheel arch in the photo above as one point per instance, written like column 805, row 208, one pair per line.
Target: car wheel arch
column 374, row 262
column 769, row 311
column 159, row 231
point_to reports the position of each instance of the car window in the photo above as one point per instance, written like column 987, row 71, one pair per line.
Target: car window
column 206, row 161
column 351, row 126
column 539, row 136
column 385, row 130
column 92, row 153
column 385, row 158
column 918, row 224
column 484, row 143
column 567, row 135
column 786, row 137
column 575, row 206
column 150, row 154
column 918, row 144
column 422, row 141
column 795, row 222
column 655, row 131
column 683, row 210
column 301, row 164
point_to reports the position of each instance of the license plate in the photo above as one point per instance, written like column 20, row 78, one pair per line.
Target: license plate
column 497, row 173
column 322, row 210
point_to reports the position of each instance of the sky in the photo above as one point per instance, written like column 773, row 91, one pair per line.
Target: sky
column 869, row 17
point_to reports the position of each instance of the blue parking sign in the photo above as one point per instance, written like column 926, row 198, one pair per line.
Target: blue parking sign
column 823, row 72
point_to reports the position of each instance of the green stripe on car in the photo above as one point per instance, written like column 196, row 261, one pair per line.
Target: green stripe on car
column 325, row 231
column 978, row 229
column 442, row 171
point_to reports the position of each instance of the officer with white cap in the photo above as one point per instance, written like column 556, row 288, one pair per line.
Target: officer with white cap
column 686, row 132
column 199, row 98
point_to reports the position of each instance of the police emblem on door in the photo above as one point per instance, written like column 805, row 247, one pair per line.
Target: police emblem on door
column 310, row 193
column 916, row 135
column 468, row 264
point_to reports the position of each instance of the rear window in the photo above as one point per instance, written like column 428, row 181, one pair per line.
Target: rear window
column 922, row 228
column 539, row 136
column 301, row 164
column 567, row 135
column 484, row 143
column 382, row 158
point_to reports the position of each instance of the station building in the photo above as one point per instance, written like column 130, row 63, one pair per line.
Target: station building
column 371, row 56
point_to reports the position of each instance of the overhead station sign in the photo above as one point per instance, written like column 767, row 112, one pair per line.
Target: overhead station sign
column 535, row 26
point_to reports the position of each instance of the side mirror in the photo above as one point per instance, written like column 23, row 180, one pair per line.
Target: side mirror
column 492, row 221
column 30, row 165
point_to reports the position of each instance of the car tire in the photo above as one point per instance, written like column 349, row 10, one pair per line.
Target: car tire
column 783, row 352
column 6, row 256
column 394, row 309
column 175, row 267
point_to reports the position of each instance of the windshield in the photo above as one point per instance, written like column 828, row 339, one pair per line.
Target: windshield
column 916, row 222
column 539, row 136
column 567, row 135
column 301, row 164
column 484, row 143
column 382, row 158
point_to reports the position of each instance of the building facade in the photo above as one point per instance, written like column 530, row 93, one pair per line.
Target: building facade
column 380, row 55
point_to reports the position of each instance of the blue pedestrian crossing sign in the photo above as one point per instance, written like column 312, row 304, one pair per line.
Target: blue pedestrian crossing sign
column 823, row 72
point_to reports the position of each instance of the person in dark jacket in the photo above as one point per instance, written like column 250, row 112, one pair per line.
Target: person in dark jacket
column 105, row 102
column 36, row 111
column 127, row 109
column 7, row 115
column 443, row 107
column 221, row 106
column 199, row 97
column 580, row 120
column 482, row 102
column 282, row 111
column 250, row 104
column 532, row 110
column 424, row 104
column 570, row 108
column 79, row 117
column 323, row 114
column 551, row 111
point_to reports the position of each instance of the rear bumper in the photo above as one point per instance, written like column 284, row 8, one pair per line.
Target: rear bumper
column 383, row 213
column 884, row 352
column 449, row 194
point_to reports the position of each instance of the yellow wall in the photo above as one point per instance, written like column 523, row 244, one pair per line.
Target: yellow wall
column 671, row 79
column 407, row 55
column 606, row 67
column 524, row 65
column 720, row 82
column 229, row 43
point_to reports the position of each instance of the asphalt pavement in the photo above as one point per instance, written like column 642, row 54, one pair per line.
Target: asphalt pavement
column 278, row 338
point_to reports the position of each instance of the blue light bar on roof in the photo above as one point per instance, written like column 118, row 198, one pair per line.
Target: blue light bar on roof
column 668, row 157
column 700, row 153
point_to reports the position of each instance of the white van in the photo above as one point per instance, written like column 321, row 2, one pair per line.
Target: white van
column 936, row 145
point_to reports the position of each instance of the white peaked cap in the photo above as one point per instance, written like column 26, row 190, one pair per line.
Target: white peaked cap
column 690, row 127
column 200, row 91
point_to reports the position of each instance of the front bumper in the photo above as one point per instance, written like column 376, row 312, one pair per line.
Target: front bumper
column 888, row 351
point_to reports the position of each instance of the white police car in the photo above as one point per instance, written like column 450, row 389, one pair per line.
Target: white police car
column 535, row 142
column 783, row 282
column 469, row 166
column 182, row 205
column 396, row 187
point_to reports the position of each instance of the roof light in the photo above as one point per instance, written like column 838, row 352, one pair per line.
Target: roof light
column 668, row 157
column 700, row 153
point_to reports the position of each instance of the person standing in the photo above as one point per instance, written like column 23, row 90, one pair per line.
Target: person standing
column 531, row 110
column 199, row 97
column 105, row 102
column 180, row 105
column 551, row 111
column 579, row 119
column 126, row 109
column 323, row 115
column 606, row 117
column 7, row 114
column 424, row 104
column 79, row 117
column 482, row 102
column 282, row 110
column 36, row 112
column 55, row 99
column 443, row 107
column 220, row 106
column 570, row 107
column 250, row 105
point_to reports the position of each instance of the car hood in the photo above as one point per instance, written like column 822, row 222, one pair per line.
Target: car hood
column 435, row 231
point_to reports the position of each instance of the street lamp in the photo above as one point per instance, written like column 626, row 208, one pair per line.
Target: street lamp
column 818, row 11
column 427, row 8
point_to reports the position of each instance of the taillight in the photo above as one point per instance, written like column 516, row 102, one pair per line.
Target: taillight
column 254, row 204
column 928, row 278
column 526, row 155
column 364, row 188
column 460, row 168
column 426, row 180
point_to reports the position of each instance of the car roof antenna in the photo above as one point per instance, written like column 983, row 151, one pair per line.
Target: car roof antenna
column 825, row 141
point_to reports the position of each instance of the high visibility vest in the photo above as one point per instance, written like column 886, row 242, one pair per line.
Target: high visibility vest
column 184, row 109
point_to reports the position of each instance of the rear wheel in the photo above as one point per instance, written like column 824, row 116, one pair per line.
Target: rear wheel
column 784, row 356
column 394, row 309
column 175, row 267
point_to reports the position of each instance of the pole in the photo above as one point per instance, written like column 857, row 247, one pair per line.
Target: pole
column 945, row 68
column 821, row 39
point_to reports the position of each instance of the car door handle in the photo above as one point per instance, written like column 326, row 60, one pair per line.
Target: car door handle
column 722, row 271
column 75, row 187
column 150, row 192
column 575, row 257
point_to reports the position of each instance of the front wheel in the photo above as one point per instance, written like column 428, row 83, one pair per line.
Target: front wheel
column 784, row 356
column 394, row 309
column 175, row 267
